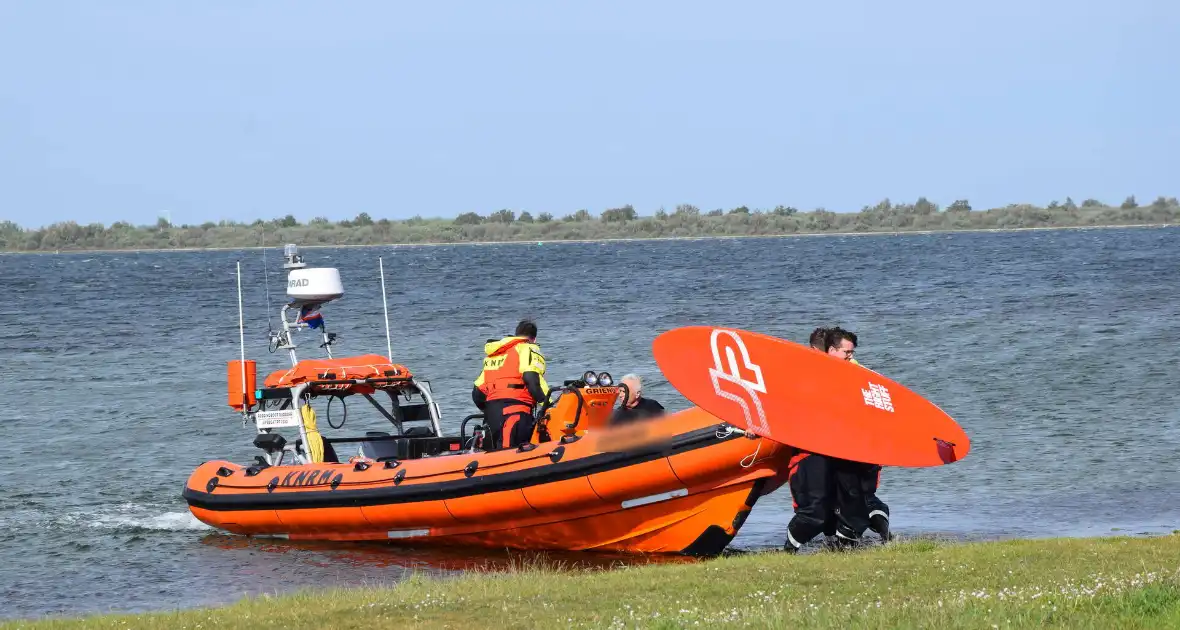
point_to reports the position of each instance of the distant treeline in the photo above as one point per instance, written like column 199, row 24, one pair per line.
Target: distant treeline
column 624, row 222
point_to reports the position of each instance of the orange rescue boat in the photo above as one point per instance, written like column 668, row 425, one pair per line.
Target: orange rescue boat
column 683, row 483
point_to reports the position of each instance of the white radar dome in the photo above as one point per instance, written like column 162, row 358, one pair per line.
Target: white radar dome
column 321, row 284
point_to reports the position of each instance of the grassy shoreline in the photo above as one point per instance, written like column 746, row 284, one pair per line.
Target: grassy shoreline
column 707, row 237
column 1125, row 582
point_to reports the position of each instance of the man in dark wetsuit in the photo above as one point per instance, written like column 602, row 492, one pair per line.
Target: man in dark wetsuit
column 827, row 492
column 636, row 407
column 842, row 345
column 818, row 341
column 511, row 383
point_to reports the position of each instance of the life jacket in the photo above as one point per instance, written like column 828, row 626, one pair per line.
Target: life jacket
column 504, row 366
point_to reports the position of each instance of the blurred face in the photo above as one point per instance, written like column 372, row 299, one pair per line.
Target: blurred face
column 843, row 351
column 634, row 391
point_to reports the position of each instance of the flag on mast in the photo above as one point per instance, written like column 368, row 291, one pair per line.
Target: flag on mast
column 310, row 315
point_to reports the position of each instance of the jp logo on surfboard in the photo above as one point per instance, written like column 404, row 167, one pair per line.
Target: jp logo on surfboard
column 731, row 372
column 791, row 394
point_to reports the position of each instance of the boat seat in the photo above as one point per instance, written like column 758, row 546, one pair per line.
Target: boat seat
column 270, row 442
column 381, row 450
column 414, row 413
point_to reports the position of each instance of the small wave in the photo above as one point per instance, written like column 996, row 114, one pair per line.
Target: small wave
column 129, row 518
column 166, row 522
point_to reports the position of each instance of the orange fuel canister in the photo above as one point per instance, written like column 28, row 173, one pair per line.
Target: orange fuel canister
column 234, row 381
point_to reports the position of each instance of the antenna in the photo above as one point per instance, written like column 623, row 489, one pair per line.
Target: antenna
column 242, row 336
column 385, row 305
column 266, row 281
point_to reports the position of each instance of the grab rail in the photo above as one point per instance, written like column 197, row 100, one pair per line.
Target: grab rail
column 463, row 427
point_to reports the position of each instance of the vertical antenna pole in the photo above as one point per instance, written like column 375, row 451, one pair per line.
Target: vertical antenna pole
column 242, row 337
column 385, row 305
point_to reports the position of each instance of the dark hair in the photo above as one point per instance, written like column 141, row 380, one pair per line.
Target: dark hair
column 817, row 338
column 526, row 328
column 835, row 335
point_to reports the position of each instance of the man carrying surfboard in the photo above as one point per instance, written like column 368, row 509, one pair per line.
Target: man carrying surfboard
column 826, row 491
column 788, row 393
column 817, row 341
column 841, row 344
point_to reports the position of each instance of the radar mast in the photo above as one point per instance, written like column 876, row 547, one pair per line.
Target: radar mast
column 308, row 289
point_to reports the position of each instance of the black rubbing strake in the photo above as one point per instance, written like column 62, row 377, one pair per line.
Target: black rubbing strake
column 512, row 480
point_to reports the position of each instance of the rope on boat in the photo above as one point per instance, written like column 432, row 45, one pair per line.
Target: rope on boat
column 752, row 457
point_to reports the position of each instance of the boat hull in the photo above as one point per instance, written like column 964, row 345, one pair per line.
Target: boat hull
column 680, row 484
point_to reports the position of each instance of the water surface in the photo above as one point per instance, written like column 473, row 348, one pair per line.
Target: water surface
column 1055, row 351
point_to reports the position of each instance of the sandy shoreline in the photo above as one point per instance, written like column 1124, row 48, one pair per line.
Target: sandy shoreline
column 598, row 240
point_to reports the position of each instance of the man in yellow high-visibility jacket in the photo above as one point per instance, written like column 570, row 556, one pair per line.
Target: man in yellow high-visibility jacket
column 511, row 383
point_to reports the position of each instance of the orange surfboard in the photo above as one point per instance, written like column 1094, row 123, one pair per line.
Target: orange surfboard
column 795, row 395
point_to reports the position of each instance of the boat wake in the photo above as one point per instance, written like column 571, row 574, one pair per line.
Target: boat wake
column 127, row 518
column 138, row 522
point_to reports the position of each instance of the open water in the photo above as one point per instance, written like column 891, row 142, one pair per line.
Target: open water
column 1055, row 350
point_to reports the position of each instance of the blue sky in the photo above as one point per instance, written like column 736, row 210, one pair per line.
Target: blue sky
column 120, row 110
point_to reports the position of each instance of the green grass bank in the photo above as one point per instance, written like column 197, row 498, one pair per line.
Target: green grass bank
column 1116, row 582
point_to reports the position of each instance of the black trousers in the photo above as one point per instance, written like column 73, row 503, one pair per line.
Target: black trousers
column 827, row 490
column 510, row 423
column 878, row 510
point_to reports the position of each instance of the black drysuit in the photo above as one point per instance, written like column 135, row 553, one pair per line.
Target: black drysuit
column 821, row 487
